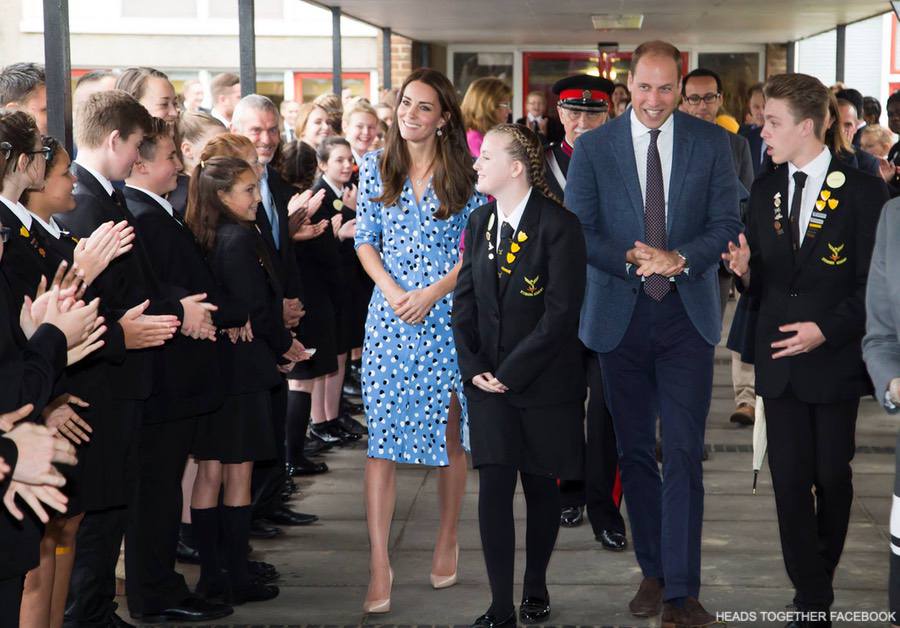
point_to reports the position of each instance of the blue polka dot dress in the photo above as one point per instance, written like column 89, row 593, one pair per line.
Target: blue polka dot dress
column 409, row 371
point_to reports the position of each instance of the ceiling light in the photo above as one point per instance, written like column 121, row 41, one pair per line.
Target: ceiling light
column 610, row 21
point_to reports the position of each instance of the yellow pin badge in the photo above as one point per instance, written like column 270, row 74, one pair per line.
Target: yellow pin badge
column 835, row 258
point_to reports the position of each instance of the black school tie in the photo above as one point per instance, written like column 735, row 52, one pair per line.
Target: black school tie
column 656, row 286
column 796, row 202
column 506, row 234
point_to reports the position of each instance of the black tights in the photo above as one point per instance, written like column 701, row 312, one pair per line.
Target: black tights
column 497, row 487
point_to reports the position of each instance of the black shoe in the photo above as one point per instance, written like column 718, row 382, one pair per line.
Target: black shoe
column 321, row 432
column 351, row 425
column 534, row 610
column 259, row 530
column 352, row 389
column 571, row 516
column 612, row 540
column 334, row 428
column 261, row 572
column 491, row 621
column 305, row 466
column 284, row 516
column 190, row 609
column 252, row 593
column 315, row 445
column 350, row 408
column 184, row 553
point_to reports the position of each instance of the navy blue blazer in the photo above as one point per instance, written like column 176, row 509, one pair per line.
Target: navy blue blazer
column 603, row 190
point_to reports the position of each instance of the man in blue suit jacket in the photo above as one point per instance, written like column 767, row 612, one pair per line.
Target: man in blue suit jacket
column 658, row 201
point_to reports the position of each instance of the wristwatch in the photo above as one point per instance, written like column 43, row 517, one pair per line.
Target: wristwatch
column 687, row 264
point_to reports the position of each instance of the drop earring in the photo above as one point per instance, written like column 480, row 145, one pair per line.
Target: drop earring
column 440, row 132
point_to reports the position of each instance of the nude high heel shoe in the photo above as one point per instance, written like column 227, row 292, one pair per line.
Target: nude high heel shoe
column 443, row 582
column 379, row 606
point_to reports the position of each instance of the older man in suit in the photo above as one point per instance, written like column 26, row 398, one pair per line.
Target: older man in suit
column 658, row 201
column 881, row 351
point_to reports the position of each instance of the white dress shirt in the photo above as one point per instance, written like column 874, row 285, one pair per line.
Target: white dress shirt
column 19, row 210
column 166, row 205
column 640, row 138
column 106, row 183
column 514, row 217
column 816, row 171
column 338, row 190
column 50, row 227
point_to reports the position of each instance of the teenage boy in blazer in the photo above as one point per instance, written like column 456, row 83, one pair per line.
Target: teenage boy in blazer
column 810, row 236
column 109, row 129
column 515, row 321
column 186, row 384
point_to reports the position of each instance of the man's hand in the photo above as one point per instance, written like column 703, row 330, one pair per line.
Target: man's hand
column 291, row 312
column 653, row 261
column 34, row 496
column 61, row 416
column 414, row 305
column 488, row 383
column 197, row 322
column 738, row 256
column 143, row 331
column 807, row 337
column 39, row 449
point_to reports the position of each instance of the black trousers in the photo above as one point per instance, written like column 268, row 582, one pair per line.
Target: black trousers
column 497, row 487
column 92, row 589
column 601, row 459
column 810, row 448
column 155, row 516
column 10, row 601
column 269, row 477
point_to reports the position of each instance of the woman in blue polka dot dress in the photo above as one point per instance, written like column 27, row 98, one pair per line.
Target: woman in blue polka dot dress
column 414, row 200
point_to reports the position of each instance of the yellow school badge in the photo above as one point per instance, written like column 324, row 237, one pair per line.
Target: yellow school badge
column 835, row 258
column 531, row 289
column 24, row 232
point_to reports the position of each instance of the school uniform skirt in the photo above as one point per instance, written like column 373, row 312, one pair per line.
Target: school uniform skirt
column 239, row 431
column 544, row 440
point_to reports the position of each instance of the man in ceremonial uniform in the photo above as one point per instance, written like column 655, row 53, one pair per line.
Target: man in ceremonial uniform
column 583, row 105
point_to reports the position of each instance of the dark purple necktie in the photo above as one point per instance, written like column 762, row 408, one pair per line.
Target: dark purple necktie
column 656, row 286
column 796, row 207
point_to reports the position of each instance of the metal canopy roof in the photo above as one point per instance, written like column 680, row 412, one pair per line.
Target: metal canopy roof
column 561, row 22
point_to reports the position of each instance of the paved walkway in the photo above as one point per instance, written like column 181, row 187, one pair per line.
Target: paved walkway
column 324, row 566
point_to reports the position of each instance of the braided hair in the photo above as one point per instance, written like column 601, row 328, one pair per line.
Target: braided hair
column 525, row 146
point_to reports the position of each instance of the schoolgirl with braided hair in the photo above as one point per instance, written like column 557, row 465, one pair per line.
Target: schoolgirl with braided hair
column 515, row 322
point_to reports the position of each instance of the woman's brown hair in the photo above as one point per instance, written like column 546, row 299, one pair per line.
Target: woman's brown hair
column 192, row 125
column 205, row 209
column 525, row 146
column 454, row 178
column 56, row 149
column 227, row 145
column 18, row 134
column 306, row 110
column 834, row 139
column 299, row 165
column 481, row 101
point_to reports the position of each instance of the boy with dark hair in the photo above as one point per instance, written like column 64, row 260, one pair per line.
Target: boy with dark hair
column 23, row 88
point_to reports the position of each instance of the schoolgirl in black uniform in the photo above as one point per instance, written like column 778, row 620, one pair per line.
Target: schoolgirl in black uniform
column 515, row 321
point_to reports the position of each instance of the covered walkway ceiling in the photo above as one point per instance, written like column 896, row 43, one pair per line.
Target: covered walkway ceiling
column 568, row 22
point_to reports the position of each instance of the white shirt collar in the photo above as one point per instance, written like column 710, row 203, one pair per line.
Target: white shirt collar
column 356, row 157
column 166, row 205
column 638, row 128
column 218, row 116
column 19, row 210
column 50, row 227
column 338, row 191
column 107, row 185
column 814, row 169
column 515, row 217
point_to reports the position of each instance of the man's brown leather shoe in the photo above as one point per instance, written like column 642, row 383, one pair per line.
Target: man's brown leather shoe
column 648, row 600
column 693, row 615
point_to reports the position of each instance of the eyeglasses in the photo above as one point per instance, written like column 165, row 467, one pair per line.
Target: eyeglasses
column 709, row 99
column 43, row 150
column 572, row 115
column 4, row 234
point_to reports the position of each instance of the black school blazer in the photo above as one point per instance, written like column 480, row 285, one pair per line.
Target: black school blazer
column 523, row 325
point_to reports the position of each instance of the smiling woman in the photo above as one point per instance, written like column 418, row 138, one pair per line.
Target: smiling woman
column 152, row 89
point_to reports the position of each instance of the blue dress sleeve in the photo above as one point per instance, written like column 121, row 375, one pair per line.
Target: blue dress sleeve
column 368, row 212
